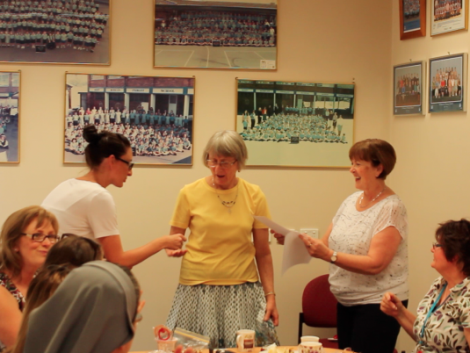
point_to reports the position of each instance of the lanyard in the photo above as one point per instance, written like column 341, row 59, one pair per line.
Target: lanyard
column 433, row 308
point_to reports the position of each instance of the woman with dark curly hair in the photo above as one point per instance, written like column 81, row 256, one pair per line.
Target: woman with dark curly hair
column 442, row 323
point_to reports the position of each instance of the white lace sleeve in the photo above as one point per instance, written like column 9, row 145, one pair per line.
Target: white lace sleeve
column 392, row 214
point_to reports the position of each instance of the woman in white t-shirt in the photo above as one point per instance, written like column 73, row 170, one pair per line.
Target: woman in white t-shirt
column 366, row 244
column 84, row 207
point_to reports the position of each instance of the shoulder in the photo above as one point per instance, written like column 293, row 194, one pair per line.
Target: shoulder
column 393, row 202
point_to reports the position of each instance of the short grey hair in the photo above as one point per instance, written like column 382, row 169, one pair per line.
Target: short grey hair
column 227, row 143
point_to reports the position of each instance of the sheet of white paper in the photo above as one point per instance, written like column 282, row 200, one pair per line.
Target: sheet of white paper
column 295, row 252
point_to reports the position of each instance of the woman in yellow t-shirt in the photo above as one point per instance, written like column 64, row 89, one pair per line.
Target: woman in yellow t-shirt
column 219, row 291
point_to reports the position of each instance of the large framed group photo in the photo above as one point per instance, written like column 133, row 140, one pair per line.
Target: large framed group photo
column 216, row 34
column 448, row 16
column 9, row 117
column 59, row 32
column 408, row 84
column 154, row 113
column 448, row 83
column 296, row 124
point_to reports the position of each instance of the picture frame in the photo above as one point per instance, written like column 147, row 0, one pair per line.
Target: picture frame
column 448, row 83
column 154, row 113
column 215, row 35
column 10, row 93
column 448, row 16
column 295, row 124
column 412, row 15
column 56, row 32
column 409, row 83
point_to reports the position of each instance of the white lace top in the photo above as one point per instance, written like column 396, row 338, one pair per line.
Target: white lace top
column 352, row 234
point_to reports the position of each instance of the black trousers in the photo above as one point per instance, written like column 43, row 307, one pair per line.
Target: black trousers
column 366, row 329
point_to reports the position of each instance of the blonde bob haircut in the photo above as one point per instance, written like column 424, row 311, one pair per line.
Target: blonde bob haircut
column 12, row 231
column 377, row 152
column 227, row 143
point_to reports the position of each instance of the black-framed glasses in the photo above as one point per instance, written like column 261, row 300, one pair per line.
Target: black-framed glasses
column 436, row 245
column 39, row 237
column 222, row 164
column 130, row 165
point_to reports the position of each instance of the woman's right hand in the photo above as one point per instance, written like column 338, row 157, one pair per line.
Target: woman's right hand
column 279, row 237
column 391, row 305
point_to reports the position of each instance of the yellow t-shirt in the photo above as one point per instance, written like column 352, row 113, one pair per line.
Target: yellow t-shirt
column 220, row 247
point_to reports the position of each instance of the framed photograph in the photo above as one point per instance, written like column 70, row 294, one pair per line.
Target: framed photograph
column 154, row 113
column 448, row 16
column 295, row 124
column 9, row 117
column 412, row 18
column 408, row 84
column 57, row 32
column 447, row 83
column 219, row 34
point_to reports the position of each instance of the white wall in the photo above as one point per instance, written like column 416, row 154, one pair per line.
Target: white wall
column 319, row 41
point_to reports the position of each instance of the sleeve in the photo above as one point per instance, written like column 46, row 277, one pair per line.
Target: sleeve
column 102, row 216
column 181, row 213
column 393, row 214
column 261, row 209
column 465, row 309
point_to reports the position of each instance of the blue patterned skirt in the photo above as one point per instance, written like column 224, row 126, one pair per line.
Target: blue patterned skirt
column 220, row 311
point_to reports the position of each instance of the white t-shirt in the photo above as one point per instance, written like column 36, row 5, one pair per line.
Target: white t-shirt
column 352, row 234
column 83, row 208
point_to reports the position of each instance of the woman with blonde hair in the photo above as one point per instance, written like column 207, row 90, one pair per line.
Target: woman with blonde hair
column 26, row 238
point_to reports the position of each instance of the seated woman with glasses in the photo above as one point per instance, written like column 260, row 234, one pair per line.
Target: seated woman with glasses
column 84, row 207
column 220, row 291
column 26, row 237
column 442, row 323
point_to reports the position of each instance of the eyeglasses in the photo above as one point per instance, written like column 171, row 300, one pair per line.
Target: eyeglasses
column 222, row 164
column 436, row 245
column 39, row 237
column 129, row 164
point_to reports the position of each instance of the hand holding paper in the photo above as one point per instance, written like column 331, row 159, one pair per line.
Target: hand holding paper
column 295, row 251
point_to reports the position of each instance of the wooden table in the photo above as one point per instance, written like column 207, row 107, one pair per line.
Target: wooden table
column 257, row 350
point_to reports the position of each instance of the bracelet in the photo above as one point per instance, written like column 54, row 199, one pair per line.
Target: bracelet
column 269, row 293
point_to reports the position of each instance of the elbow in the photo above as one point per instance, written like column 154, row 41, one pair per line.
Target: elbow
column 374, row 269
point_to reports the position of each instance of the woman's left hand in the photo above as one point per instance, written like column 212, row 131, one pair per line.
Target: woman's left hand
column 271, row 310
column 316, row 248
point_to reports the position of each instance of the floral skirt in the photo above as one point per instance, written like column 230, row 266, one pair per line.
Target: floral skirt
column 220, row 311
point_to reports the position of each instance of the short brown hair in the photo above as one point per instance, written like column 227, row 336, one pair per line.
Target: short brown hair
column 12, row 231
column 227, row 143
column 454, row 236
column 377, row 152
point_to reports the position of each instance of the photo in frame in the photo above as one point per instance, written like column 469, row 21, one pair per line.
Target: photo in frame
column 58, row 32
column 412, row 18
column 448, row 16
column 408, row 84
column 447, row 83
column 295, row 124
column 154, row 113
column 9, row 117
column 216, row 34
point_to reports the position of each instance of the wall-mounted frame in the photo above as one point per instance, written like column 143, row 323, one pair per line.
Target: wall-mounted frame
column 295, row 124
column 448, row 83
column 10, row 82
column 412, row 18
column 46, row 32
column 448, row 16
column 408, row 85
column 154, row 113
column 216, row 34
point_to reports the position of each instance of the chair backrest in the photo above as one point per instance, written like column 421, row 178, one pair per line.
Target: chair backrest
column 319, row 304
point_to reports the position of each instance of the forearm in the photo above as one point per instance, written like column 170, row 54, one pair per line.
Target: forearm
column 266, row 272
column 115, row 253
column 362, row 264
column 406, row 320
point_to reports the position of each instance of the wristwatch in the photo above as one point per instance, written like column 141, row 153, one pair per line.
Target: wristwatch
column 333, row 257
